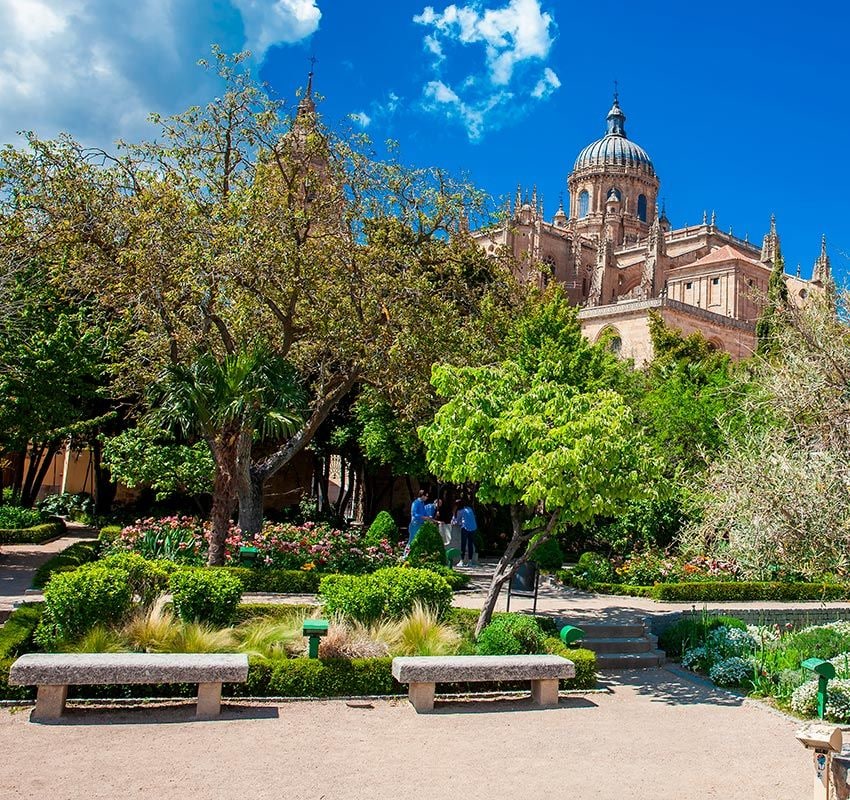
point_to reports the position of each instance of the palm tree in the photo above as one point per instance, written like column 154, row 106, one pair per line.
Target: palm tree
column 230, row 402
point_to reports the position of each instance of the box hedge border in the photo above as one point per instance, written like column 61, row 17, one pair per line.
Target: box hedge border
column 295, row 677
column 37, row 534
column 718, row 591
column 69, row 559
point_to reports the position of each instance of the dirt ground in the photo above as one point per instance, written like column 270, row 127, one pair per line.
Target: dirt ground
column 654, row 735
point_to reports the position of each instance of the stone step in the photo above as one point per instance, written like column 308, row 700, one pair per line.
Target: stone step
column 608, row 631
column 626, row 645
column 612, row 661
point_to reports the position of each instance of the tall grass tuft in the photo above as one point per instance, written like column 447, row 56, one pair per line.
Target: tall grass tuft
column 350, row 640
column 98, row 639
column 420, row 633
column 270, row 638
column 151, row 630
column 198, row 637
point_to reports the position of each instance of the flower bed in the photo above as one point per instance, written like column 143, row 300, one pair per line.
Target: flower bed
column 308, row 547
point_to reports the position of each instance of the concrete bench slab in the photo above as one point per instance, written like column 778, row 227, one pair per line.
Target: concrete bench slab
column 422, row 673
column 54, row 672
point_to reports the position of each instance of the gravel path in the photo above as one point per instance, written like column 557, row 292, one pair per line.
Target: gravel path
column 654, row 735
column 18, row 563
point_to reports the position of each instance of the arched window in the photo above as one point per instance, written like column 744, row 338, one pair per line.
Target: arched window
column 583, row 203
column 642, row 207
column 609, row 336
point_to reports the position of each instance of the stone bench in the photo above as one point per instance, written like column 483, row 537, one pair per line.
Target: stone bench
column 53, row 673
column 422, row 673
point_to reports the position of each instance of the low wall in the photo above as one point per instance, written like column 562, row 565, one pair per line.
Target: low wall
column 797, row 617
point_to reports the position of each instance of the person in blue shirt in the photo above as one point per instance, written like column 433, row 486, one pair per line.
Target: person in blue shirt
column 465, row 517
column 418, row 515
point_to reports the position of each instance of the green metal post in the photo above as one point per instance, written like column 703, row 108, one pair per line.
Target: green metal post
column 822, row 681
column 314, row 646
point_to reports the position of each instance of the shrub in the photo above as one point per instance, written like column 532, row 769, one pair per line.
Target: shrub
column 405, row 587
column 548, row 556
column 147, row 579
column 205, row 595
column 731, row 671
column 382, row 528
column 347, row 639
column 749, row 590
column 78, row 506
column 275, row 581
column 595, row 568
column 310, row 677
column 511, row 634
column 804, row 700
column 427, row 548
column 16, row 638
column 690, row 632
column 69, row 559
column 389, row 592
column 35, row 535
column 584, row 660
column 456, row 580
column 77, row 601
column 15, row 517
column 353, row 596
column 109, row 533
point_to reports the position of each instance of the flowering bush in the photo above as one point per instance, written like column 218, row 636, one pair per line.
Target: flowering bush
column 732, row 671
column 311, row 546
column 179, row 539
column 804, row 700
column 647, row 568
column 707, row 568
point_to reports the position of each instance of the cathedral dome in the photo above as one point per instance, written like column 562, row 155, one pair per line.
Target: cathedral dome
column 615, row 149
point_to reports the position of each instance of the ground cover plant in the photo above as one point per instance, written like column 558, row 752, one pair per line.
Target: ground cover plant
column 765, row 661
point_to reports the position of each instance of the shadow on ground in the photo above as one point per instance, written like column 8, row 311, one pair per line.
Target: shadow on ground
column 503, row 705
column 156, row 714
column 663, row 686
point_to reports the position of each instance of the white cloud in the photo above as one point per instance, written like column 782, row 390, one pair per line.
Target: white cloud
column 546, row 85
column 362, row 119
column 514, row 37
column 96, row 70
column 269, row 22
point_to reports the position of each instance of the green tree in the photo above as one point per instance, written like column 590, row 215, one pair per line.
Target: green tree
column 228, row 403
column 244, row 223
column 539, row 433
column 772, row 314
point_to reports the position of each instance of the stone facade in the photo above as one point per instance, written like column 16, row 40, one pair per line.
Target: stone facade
column 616, row 255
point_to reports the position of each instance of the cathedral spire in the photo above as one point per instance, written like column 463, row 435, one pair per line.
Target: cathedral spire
column 770, row 249
column 822, row 272
column 616, row 118
column 307, row 105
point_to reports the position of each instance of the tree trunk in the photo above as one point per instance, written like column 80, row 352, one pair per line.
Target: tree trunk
column 224, row 449
column 508, row 564
column 249, row 487
column 251, row 504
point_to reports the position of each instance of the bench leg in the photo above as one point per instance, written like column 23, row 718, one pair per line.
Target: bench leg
column 50, row 702
column 209, row 700
column 545, row 692
column 421, row 696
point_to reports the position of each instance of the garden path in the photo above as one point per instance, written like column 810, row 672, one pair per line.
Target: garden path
column 18, row 563
column 653, row 735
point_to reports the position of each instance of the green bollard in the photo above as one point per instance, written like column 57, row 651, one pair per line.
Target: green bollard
column 315, row 629
column 825, row 672
column 570, row 634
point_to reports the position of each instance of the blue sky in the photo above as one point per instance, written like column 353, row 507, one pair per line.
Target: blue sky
column 743, row 107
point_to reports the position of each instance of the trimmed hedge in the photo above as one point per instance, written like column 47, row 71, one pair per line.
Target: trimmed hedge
column 274, row 611
column 109, row 533
column 205, row 595
column 35, row 535
column 717, row 591
column 69, row 559
column 275, row 581
column 750, row 590
column 585, row 661
column 15, row 639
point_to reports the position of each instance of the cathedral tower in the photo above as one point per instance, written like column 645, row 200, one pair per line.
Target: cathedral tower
column 613, row 186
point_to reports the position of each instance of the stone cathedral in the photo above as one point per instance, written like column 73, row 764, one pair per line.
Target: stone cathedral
column 617, row 256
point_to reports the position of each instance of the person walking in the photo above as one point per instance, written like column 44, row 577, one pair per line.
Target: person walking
column 465, row 517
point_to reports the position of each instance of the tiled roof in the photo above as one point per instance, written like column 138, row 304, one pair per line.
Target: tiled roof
column 725, row 253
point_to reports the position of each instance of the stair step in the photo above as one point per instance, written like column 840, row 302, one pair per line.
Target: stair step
column 653, row 658
column 612, row 631
column 630, row 645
